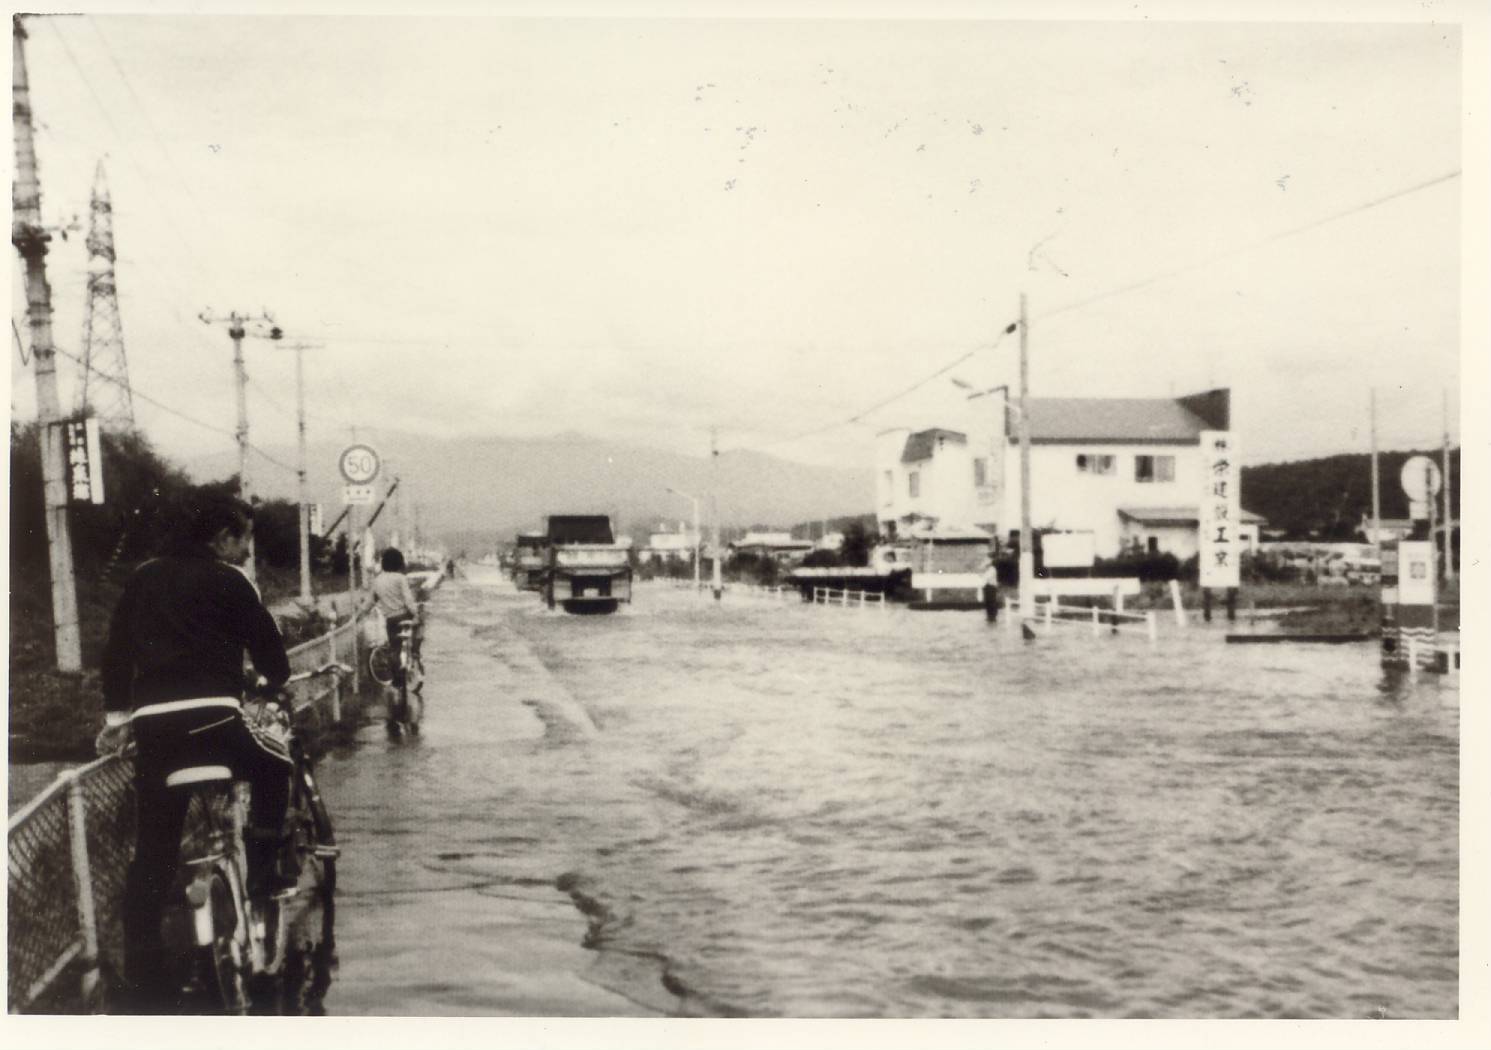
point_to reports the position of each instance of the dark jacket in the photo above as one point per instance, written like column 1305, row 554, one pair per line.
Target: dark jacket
column 180, row 630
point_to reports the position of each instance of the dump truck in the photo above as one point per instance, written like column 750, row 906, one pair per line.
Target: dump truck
column 587, row 570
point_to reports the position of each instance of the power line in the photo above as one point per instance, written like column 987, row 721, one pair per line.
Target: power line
column 125, row 142
column 858, row 417
column 137, row 392
column 1240, row 249
column 1134, row 286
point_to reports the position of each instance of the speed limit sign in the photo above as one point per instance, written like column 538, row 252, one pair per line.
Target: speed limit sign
column 359, row 464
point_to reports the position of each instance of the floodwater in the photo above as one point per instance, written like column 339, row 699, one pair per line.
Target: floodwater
column 764, row 808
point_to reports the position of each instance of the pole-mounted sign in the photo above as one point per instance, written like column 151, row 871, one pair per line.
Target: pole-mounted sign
column 359, row 465
column 1220, row 511
column 85, row 461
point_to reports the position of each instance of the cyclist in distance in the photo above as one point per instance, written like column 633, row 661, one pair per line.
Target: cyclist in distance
column 395, row 600
column 173, row 677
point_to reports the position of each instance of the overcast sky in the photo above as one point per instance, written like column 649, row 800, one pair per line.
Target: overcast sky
column 640, row 229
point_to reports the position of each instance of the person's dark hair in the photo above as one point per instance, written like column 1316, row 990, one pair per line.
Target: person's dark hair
column 209, row 513
column 392, row 560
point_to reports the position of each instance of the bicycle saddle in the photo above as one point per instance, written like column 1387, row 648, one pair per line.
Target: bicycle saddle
column 197, row 775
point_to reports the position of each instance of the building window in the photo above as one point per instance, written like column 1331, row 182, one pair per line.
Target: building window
column 1154, row 545
column 1154, row 468
column 1088, row 464
column 913, row 483
column 980, row 471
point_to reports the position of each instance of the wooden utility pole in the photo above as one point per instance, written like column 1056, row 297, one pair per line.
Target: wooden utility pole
column 238, row 328
column 1027, row 547
column 1449, row 527
column 1376, row 476
column 30, row 239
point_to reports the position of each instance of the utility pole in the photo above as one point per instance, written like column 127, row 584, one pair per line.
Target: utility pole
column 300, row 470
column 1376, row 477
column 1027, row 549
column 238, row 328
column 714, row 500
column 30, row 239
column 1449, row 528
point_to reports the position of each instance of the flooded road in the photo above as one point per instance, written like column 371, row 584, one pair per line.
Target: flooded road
column 768, row 809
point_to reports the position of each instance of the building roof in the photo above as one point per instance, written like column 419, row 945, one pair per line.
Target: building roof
column 771, row 539
column 1122, row 420
column 923, row 443
column 1175, row 515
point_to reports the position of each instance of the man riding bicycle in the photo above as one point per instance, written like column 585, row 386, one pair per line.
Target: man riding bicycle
column 173, row 677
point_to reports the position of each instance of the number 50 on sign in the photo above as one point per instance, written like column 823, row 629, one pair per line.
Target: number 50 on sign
column 359, row 464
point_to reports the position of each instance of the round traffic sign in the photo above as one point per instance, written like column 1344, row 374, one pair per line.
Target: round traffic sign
column 1420, row 478
column 359, row 464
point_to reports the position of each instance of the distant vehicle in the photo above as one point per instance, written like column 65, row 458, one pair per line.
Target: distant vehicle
column 587, row 570
column 529, row 560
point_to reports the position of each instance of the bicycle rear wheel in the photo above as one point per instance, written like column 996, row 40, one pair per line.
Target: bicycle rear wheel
column 381, row 664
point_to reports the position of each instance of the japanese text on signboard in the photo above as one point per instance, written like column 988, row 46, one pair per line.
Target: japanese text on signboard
column 85, row 481
column 1220, row 511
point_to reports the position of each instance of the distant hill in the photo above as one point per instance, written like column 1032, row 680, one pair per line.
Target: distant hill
column 1327, row 498
column 476, row 491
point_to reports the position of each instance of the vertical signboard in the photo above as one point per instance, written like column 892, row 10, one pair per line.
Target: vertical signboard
column 85, row 461
column 1219, row 512
column 1414, row 611
column 1389, row 605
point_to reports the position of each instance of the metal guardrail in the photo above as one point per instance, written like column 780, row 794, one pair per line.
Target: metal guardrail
column 845, row 596
column 1051, row 613
column 70, row 845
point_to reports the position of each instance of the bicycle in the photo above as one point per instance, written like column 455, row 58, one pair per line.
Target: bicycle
column 403, row 672
column 228, row 946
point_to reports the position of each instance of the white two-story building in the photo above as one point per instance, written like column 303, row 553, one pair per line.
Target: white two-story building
column 1125, row 470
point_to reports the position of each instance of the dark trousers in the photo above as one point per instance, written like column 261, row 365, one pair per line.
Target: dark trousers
column 991, row 602
column 165, row 742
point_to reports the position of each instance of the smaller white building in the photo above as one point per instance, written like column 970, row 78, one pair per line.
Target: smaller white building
column 666, row 545
column 779, row 545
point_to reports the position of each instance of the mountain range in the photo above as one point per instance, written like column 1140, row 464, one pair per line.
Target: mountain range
column 476, row 491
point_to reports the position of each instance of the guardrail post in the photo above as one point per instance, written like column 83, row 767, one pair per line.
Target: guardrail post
column 844, row 601
column 1154, row 634
column 1096, row 627
column 1050, row 601
column 77, row 815
column 1413, row 655
column 1180, row 609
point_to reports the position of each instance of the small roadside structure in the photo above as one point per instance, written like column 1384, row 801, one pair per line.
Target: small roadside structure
column 779, row 546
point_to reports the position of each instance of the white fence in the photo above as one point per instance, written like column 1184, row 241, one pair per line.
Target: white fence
column 1052, row 614
column 846, row 597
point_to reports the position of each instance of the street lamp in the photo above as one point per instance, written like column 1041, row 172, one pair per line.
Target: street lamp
column 695, row 501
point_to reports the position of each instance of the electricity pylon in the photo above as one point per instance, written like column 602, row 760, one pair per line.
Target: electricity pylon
column 105, row 387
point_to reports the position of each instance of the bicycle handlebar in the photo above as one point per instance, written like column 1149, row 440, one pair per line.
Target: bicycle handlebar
column 324, row 669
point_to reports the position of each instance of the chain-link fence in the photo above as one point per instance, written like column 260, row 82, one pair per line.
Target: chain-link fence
column 69, row 848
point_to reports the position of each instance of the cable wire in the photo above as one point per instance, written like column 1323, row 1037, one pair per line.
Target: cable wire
column 135, row 391
column 1240, row 249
